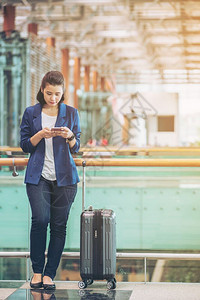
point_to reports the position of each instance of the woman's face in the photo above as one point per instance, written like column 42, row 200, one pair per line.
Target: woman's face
column 52, row 94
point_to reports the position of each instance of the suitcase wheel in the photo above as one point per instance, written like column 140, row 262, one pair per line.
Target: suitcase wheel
column 82, row 284
column 111, row 285
column 89, row 281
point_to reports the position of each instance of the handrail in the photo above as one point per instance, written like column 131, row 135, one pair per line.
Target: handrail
column 125, row 149
column 139, row 149
column 14, row 149
column 170, row 256
column 145, row 256
column 113, row 162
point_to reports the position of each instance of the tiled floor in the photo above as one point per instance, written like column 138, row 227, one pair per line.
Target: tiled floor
column 98, row 291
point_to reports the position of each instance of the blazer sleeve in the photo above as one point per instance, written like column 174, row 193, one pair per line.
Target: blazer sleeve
column 25, row 133
column 77, row 132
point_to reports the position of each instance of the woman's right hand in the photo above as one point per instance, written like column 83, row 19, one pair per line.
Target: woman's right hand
column 46, row 133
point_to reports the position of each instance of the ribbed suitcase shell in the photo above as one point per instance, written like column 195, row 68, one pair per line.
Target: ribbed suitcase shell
column 98, row 244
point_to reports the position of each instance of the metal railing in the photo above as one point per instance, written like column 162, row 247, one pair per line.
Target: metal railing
column 117, row 162
column 145, row 256
column 124, row 150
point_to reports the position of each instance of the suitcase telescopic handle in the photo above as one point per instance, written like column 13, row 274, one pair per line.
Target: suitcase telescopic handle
column 83, row 186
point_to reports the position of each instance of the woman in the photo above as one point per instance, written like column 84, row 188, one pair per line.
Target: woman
column 51, row 175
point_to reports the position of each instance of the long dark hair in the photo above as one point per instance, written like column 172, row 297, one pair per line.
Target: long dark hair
column 53, row 78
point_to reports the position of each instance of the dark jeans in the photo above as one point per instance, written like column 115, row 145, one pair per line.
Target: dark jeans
column 49, row 204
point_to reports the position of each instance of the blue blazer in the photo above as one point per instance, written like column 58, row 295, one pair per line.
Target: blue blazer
column 66, row 172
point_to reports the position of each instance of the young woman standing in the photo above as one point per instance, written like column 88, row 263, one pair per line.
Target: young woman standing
column 51, row 175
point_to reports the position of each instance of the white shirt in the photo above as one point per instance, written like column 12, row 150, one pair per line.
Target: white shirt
column 48, row 170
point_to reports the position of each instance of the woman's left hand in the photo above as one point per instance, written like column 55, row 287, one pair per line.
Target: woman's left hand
column 65, row 132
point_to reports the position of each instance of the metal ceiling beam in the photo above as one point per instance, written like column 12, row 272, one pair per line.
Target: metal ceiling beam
column 114, row 34
column 163, row 1
column 13, row 2
column 169, row 19
column 65, row 2
column 176, row 45
column 91, row 2
column 170, row 33
column 192, row 54
column 66, row 18
column 193, row 61
column 123, row 45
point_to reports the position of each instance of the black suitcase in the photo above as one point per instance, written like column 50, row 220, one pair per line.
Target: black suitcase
column 97, row 246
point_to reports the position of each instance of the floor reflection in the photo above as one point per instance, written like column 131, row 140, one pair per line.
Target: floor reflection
column 40, row 294
column 10, row 285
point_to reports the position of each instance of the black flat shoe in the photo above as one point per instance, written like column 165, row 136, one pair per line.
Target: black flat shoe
column 37, row 285
column 49, row 286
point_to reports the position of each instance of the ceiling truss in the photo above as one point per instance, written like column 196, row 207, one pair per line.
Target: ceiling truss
column 140, row 41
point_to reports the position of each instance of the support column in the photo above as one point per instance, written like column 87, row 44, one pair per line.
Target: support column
column 107, row 86
column 65, row 71
column 103, row 84
column 125, row 131
column 9, row 19
column 51, row 42
column 87, row 79
column 95, row 81
column 33, row 31
column 33, row 28
column 77, row 68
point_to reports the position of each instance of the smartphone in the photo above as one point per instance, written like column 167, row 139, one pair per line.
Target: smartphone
column 56, row 129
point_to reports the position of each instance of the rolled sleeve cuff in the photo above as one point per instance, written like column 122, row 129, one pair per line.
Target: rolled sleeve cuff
column 75, row 148
column 30, row 147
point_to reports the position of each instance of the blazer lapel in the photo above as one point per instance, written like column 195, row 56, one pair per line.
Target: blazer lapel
column 61, row 119
column 37, row 120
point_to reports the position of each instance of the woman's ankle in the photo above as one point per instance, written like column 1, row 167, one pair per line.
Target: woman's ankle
column 47, row 279
column 37, row 275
